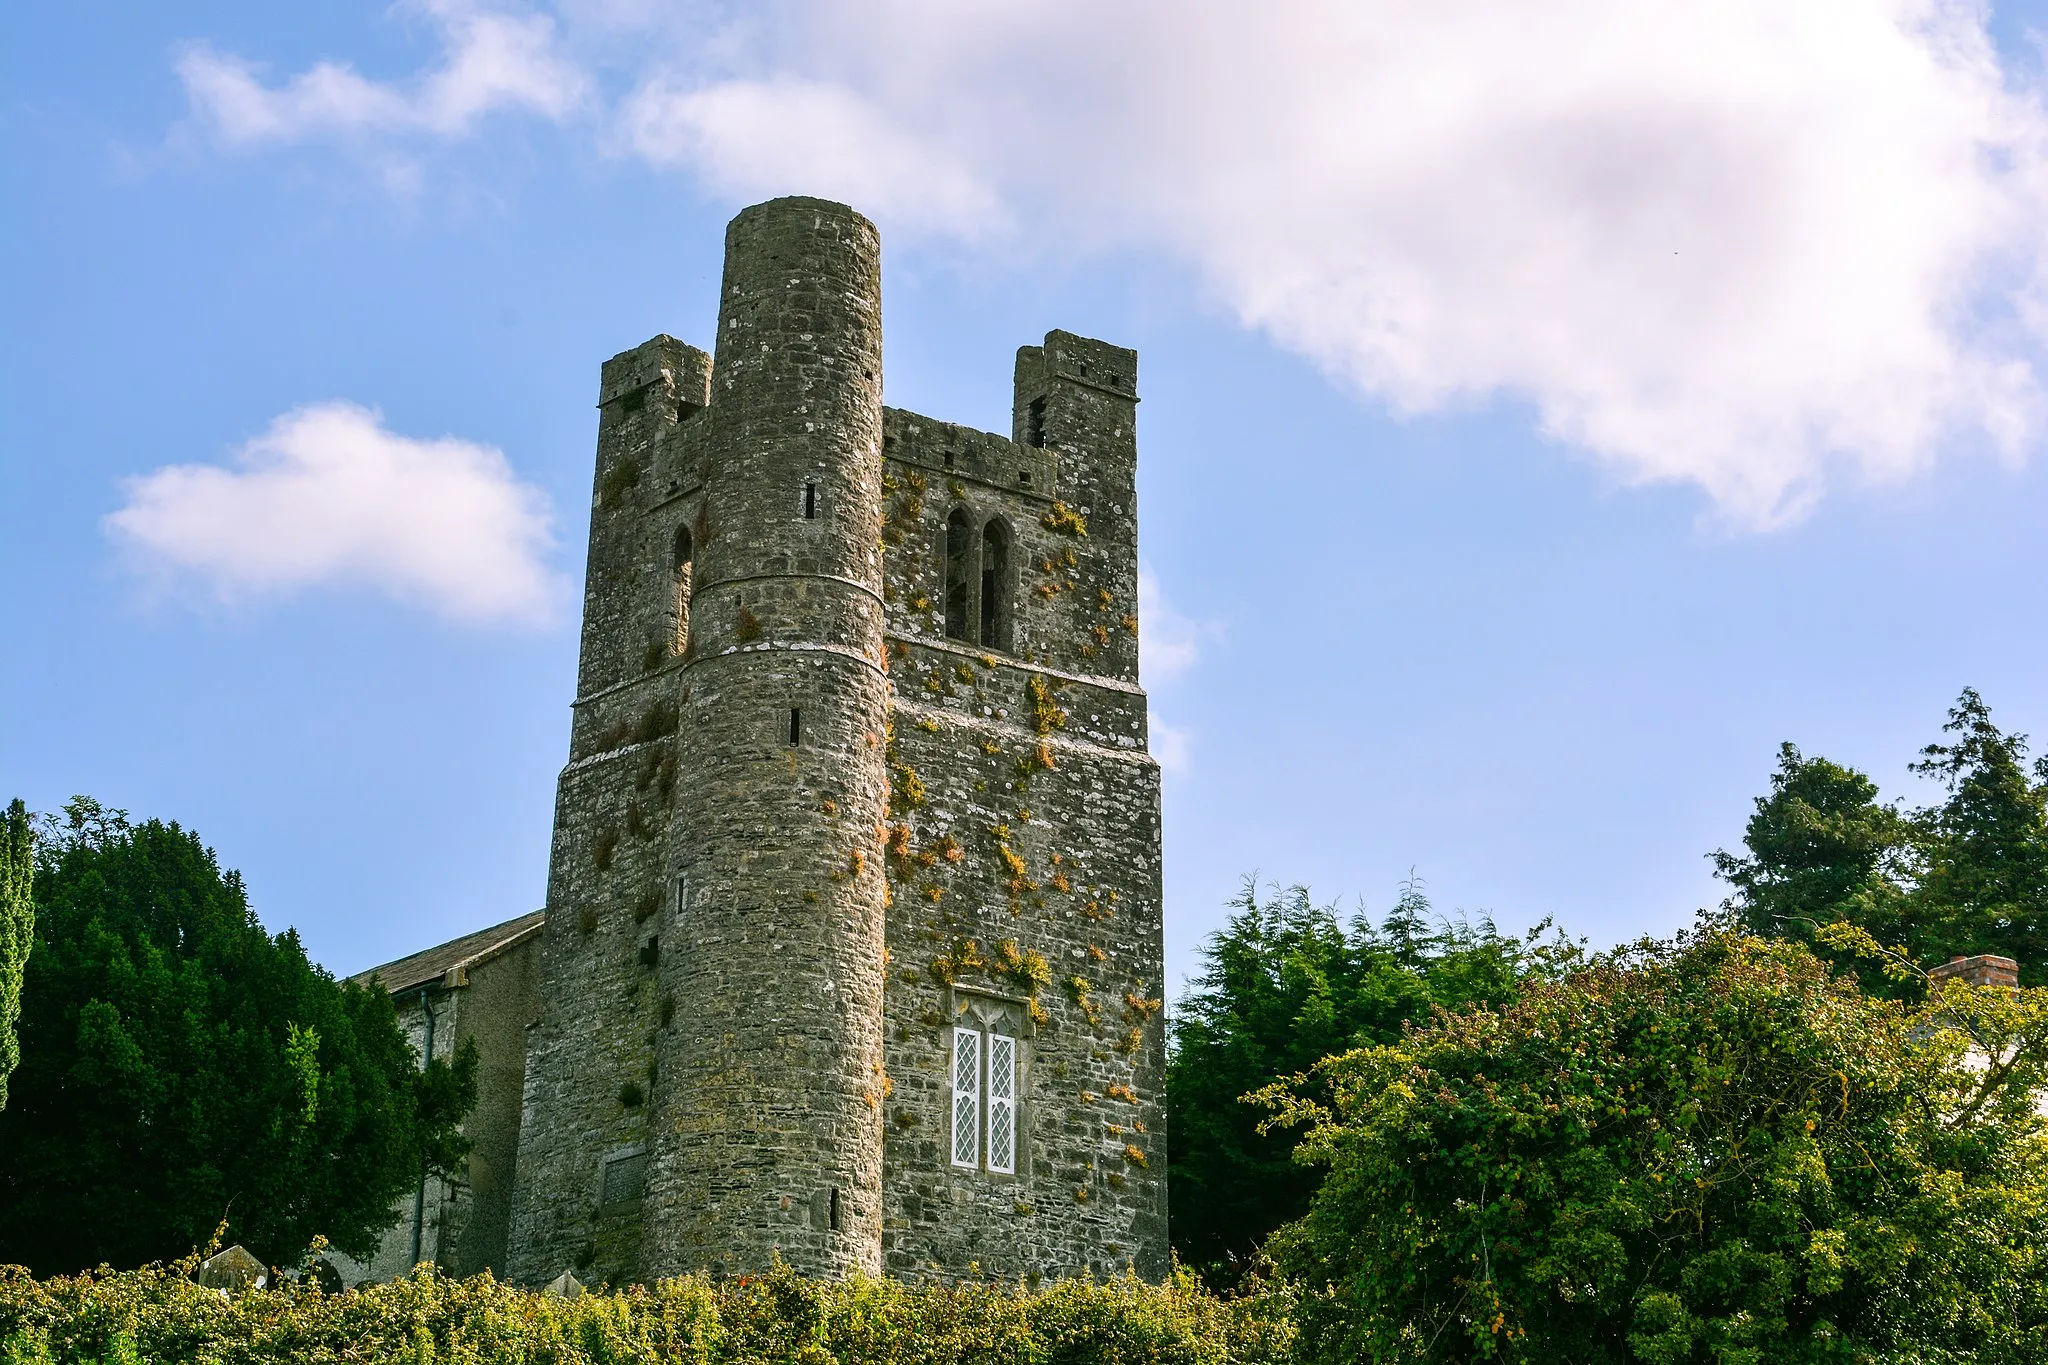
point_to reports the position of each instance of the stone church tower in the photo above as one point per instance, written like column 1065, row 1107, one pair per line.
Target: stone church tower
column 852, row 950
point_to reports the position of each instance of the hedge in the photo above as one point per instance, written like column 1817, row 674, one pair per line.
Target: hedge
column 159, row 1313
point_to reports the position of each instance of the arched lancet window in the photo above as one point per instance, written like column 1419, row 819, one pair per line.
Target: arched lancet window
column 995, row 585
column 681, row 566
column 959, row 584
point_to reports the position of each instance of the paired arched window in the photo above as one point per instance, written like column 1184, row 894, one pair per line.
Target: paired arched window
column 995, row 586
column 681, row 566
column 977, row 595
column 959, row 576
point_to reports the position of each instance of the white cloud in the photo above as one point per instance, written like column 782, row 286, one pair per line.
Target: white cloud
column 1742, row 243
column 492, row 60
column 1169, row 643
column 328, row 495
column 1169, row 744
column 1756, row 246
column 736, row 135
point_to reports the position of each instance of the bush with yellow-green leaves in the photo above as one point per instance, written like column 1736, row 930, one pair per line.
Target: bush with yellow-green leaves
column 159, row 1313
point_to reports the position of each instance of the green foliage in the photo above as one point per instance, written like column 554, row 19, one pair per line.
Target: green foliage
column 1968, row 875
column 181, row 1066
column 159, row 1314
column 1285, row 985
column 1714, row 1149
column 1821, row 850
column 1983, row 883
column 17, row 929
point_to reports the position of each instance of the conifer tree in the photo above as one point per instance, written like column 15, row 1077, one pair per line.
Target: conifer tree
column 1284, row 984
column 1967, row 875
column 182, row 1065
column 17, row 931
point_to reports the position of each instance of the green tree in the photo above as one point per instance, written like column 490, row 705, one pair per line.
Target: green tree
column 17, row 930
column 1984, row 887
column 1821, row 850
column 1710, row 1150
column 1285, row 984
column 1967, row 875
column 181, row 1066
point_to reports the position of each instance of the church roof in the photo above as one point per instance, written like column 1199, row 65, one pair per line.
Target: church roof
column 410, row 973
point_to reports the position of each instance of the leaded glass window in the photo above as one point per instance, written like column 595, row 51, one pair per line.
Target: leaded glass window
column 966, row 1097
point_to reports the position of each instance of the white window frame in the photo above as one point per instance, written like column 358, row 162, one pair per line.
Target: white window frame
column 1001, row 1090
column 966, row 1097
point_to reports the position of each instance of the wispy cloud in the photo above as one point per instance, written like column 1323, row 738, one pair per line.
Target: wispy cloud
column 1169, row 745
column 492, row 61
column 1757, row 247
column 1169, row 642
column 328, row 495
column 736, row 136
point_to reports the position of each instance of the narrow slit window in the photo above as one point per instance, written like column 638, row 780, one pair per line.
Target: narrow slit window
column 1002, row 1104
column 832, row 1209
column 796, row 726
column 1034, row 423
column 810, row 502
column 682, row 566
column 966, row 1098
column 959, row 543
column 995, row 579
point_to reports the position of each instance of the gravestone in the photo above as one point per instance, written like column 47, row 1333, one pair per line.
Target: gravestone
column 233, row 1269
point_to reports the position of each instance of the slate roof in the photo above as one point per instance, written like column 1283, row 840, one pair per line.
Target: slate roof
column 410, row 973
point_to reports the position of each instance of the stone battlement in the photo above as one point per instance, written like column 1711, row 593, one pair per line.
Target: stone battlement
column 853, row 948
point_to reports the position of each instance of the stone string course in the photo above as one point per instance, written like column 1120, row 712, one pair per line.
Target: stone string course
column 760, row 937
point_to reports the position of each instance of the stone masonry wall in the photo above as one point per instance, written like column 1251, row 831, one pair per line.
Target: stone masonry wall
column 1024, row 838
column 742, row 1052
column 769, row 1133
column 466, row 1219
column 591, row 1059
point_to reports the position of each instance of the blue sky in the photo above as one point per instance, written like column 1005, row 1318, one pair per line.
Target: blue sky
column 1544, row 417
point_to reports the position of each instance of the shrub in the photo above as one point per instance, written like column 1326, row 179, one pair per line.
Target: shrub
column 1712, row 1149
column 159, row 1313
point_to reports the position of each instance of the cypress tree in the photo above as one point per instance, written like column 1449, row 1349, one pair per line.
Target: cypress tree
column 17, row 931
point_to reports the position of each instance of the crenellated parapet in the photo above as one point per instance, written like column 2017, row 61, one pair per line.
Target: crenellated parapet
column 853, row 948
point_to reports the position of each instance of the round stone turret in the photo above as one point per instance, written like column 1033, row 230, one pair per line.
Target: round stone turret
column 769, row 1089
